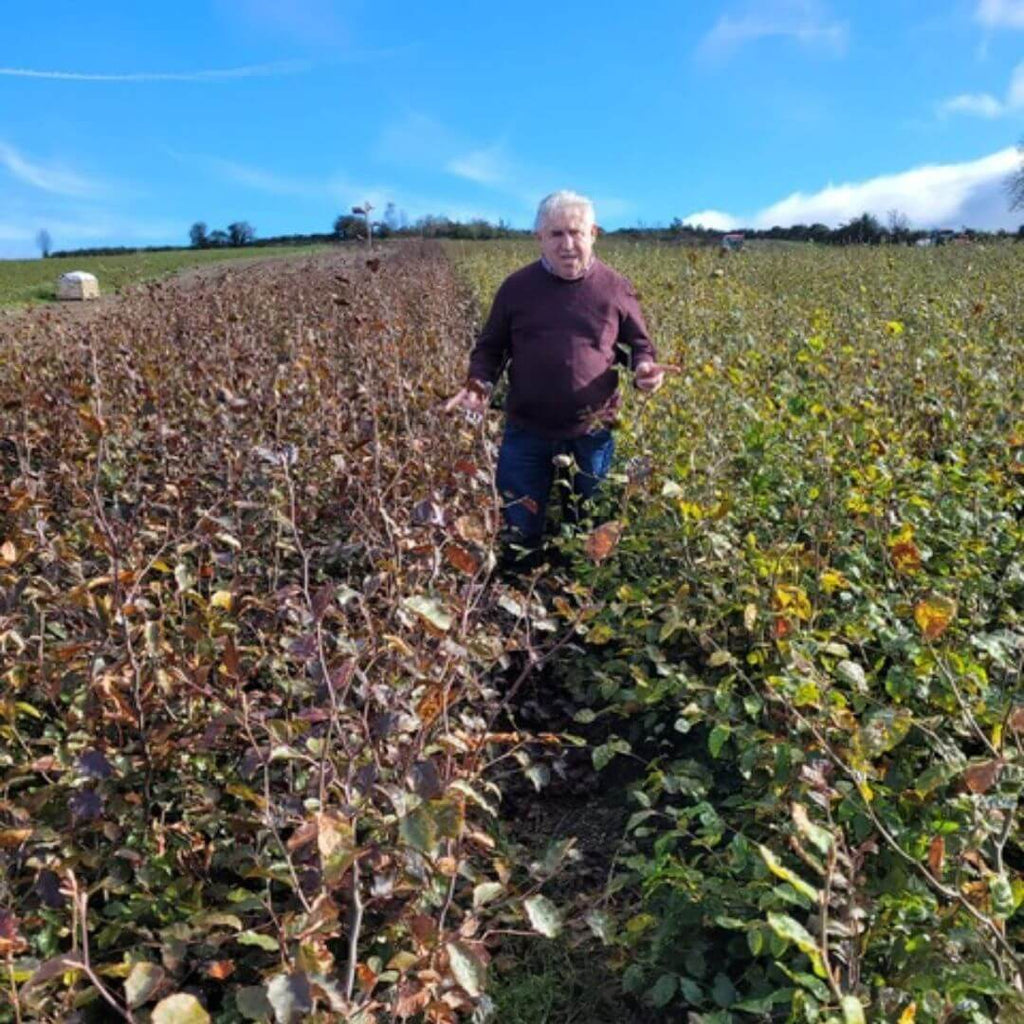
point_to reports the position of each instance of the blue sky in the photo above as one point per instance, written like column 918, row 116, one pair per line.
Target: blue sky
column 123, row 123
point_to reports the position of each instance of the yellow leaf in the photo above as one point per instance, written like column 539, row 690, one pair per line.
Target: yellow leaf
column 794, row 600
column 221, row 599
column 909, row 1015
column 934, row 614
column 833, row 580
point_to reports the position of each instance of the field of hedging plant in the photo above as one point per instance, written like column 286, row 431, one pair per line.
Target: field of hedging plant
column 255, row 661
column 249, row 660
column 807, row 631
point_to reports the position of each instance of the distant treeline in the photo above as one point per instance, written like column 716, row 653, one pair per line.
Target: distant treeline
column 863, row 230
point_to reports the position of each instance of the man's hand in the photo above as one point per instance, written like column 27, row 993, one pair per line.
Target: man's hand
column 472, row 398
column 650, row 376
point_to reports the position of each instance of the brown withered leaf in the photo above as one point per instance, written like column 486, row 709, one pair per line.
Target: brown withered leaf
column 229, row 657
column 220, row 969
column 603, row 540
column 937, row 855
column 94, row 425
column 412, row 998
column 462, row 558
column 433, row 702
column 12, row 837
column 321, row 600
column 906, row 558
column 470, row 528
column 367, row 977
column 11, row 941
column 302, row 836
column 980, row 778
column 303, row 647
column 423, row 928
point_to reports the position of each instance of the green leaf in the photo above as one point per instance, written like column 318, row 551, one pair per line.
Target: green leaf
column 290, row 996
column 252, row 1002
column 601, row 923
column 999, row 888
column 142, row 982
column 815, row 834
column 663, row 991
column 485, row 892
column 882, row 730
column 180, row 1009
column 852, row 673
column 468, row 967
column 449, row 816
column 544, row 916
column 780, row 870
column 215, row 920
column 691, row 991
column 258, row 939
column 717, row 739
column 418, row 830
column 792, row 931
column 853, row 1012
column 723, row 991
column 430, row 609
column 813, row 985
column 764, row 1004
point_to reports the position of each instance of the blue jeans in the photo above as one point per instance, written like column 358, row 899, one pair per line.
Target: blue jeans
column 526, row 472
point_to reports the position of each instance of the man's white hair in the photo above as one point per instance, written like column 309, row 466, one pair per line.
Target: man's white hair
column 563, row 200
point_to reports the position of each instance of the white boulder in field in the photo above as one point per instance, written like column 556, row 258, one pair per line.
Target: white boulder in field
column 78, row 285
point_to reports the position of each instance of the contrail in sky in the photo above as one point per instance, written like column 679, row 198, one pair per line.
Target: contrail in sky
column 252, row 71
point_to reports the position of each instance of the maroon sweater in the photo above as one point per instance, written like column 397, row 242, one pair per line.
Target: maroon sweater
column 562, row 340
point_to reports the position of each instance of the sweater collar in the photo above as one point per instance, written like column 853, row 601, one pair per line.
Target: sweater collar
column 551, row 270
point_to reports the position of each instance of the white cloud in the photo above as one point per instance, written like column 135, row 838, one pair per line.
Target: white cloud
column 414, row 138
column 424, row 143
column 986, row 105
column 803, row 21
column 1000, row 13
column 980, row 104
column 58, row 180
column 335, row 188
column 262, row 180
column 251, row 71
column 309, row 22
column 936, row 195
column 716, row 220
column 484, row 166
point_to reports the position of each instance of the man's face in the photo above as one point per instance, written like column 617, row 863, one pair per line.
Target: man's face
column 567, row 241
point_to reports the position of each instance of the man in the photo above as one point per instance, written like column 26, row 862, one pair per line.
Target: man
column 561, row 324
